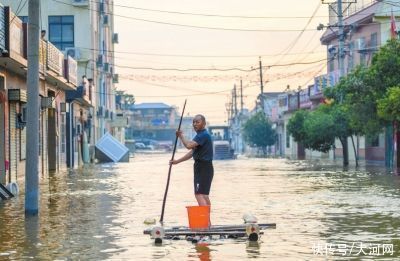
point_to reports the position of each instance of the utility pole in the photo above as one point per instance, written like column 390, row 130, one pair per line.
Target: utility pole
column 232, row 101
column 235, row 95
column 341, row 53
column 32, row 127
column 241, row 96
column 339, row 12
column 341, row 37
column 261, row 86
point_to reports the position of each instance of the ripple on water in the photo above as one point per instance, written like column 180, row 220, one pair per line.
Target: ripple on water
column 97, row 212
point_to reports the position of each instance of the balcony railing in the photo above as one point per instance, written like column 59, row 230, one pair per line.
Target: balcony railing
column 71, row 70
column 304, row 96
column 293, row 101
column 42, row 56
column 13, row 46
column 323, row 81
column 55, row 59
column 14, row 35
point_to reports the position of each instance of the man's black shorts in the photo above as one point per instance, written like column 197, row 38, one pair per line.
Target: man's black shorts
column 203, row 175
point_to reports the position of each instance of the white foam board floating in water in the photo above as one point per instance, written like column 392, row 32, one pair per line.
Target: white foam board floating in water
column 109, row 149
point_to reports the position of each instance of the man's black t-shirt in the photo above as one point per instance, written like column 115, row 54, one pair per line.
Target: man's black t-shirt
column 203, row 152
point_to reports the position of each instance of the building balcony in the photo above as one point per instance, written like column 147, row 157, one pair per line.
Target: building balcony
column 80, row 2
column 294, row 102
column 120, row 120
column 14, row 53
column 80, row 95
column 13, row 42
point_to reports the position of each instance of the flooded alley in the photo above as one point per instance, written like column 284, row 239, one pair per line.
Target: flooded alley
column 97, row 213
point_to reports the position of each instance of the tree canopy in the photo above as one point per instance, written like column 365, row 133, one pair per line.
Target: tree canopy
column 258, row 132
column 389, row 105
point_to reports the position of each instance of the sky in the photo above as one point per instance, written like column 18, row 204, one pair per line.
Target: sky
column 169, row 51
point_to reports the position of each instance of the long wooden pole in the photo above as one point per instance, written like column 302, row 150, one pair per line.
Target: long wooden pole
column 170, row 167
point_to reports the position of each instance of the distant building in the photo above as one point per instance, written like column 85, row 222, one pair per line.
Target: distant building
column 156, row 121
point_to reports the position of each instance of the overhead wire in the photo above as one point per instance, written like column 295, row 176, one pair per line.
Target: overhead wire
column 193, row 26
column 297, row 38
column 190, row 56
column 214, row 69
column 212, row 15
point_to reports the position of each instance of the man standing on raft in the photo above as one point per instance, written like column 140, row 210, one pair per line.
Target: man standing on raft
column 201, row 149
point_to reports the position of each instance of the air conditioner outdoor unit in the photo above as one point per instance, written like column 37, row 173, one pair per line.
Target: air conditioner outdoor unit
column 73, row 52
column 106, row 67
column 115, row 38
column 80, row 2
column 115, row 78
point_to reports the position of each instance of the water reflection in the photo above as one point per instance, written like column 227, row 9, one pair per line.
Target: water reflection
column 97, row 213
column 32, row 236
column 204, row 252
column 253, row 249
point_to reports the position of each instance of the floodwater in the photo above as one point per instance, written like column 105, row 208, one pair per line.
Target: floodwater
column 97, row 213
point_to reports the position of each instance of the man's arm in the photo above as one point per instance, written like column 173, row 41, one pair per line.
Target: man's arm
column 189, row 144
column 184, row 158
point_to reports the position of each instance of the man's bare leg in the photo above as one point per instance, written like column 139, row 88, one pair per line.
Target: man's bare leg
column 204, row 200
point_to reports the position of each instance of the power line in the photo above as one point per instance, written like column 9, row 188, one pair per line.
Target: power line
column 193, row 26
column 18, row 10
column 193, row 56
column 293, row 43
column 212, row 15
column 213, row 69
column 183, row 70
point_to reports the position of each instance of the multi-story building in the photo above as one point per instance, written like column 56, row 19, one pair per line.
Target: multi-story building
column 84, row 31
column 57, row 74
column 366, row 28
column 155, row 121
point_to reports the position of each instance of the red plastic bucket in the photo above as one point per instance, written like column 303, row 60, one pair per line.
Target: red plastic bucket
column 199, row 216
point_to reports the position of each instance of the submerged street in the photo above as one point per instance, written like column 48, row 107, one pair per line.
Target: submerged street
column 97, row 213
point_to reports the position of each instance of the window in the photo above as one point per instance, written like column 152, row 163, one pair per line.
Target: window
column 373, row 141
column 287, row 139
column 374, row 41
column 350, row 57
column 331, row 64
column 363, row 59
column 63, row 135
column 61, row 31
column 24, row 19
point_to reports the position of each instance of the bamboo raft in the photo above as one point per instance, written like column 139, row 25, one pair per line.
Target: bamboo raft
column 250, row 230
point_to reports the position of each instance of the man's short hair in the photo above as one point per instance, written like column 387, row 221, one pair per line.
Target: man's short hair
column 201, row 117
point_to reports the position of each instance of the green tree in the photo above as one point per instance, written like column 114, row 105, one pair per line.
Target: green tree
column 317, row 129
column 384, row 71
column 360, row 91
column 356, row 94
column 258, row 132
column 389, row 105
column 295, row 126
